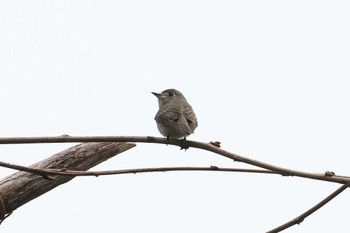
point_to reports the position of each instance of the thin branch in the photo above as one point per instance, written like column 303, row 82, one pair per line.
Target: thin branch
column 213, row 147
column 66, row 172
column 301, row 217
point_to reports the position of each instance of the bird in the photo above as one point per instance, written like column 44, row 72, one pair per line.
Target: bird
column 175, row 117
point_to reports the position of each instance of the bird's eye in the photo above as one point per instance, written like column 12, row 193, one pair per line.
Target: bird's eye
column 171, row 93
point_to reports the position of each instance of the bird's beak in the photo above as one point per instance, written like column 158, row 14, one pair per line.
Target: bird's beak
column 157, row 94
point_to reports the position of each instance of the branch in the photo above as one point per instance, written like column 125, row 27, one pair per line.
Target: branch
column 22, row 187
column 66, row 172
column 213, row 147
column 301, row 217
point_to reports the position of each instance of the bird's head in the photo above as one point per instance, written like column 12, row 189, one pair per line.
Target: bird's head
column 168, row 95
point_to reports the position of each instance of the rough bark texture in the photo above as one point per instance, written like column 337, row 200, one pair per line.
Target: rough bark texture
column 22, row 187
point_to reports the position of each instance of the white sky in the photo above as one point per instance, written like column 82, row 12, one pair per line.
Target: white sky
column 269, row 79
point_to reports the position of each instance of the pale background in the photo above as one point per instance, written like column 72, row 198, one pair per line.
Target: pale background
column 269, row 79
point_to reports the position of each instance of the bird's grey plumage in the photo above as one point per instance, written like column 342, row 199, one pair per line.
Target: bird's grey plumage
column 175, row 118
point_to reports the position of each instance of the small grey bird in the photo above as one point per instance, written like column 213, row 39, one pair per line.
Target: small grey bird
column 175, row 118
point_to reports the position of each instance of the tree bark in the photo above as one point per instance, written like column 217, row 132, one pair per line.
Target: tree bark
column 22, row 187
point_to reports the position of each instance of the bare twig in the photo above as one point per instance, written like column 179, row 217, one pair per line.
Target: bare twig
column 301, row 217
column 65, row 172
column 181, row 144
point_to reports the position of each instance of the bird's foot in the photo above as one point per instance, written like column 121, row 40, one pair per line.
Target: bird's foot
column 184, row 147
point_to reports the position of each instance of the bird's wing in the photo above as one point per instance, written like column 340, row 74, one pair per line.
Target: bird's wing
column 191, row 118
column 168, row 116
column 181, row 119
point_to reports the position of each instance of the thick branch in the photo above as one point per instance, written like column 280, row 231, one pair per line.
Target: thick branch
column 22, row 187
column 213, row 147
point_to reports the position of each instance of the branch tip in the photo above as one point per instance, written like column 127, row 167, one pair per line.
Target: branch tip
column 329, row 173
column 216, row 143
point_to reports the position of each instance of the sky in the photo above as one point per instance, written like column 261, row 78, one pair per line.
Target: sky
column 268, row 79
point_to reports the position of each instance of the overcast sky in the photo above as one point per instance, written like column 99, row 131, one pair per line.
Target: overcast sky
column 269, row 79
